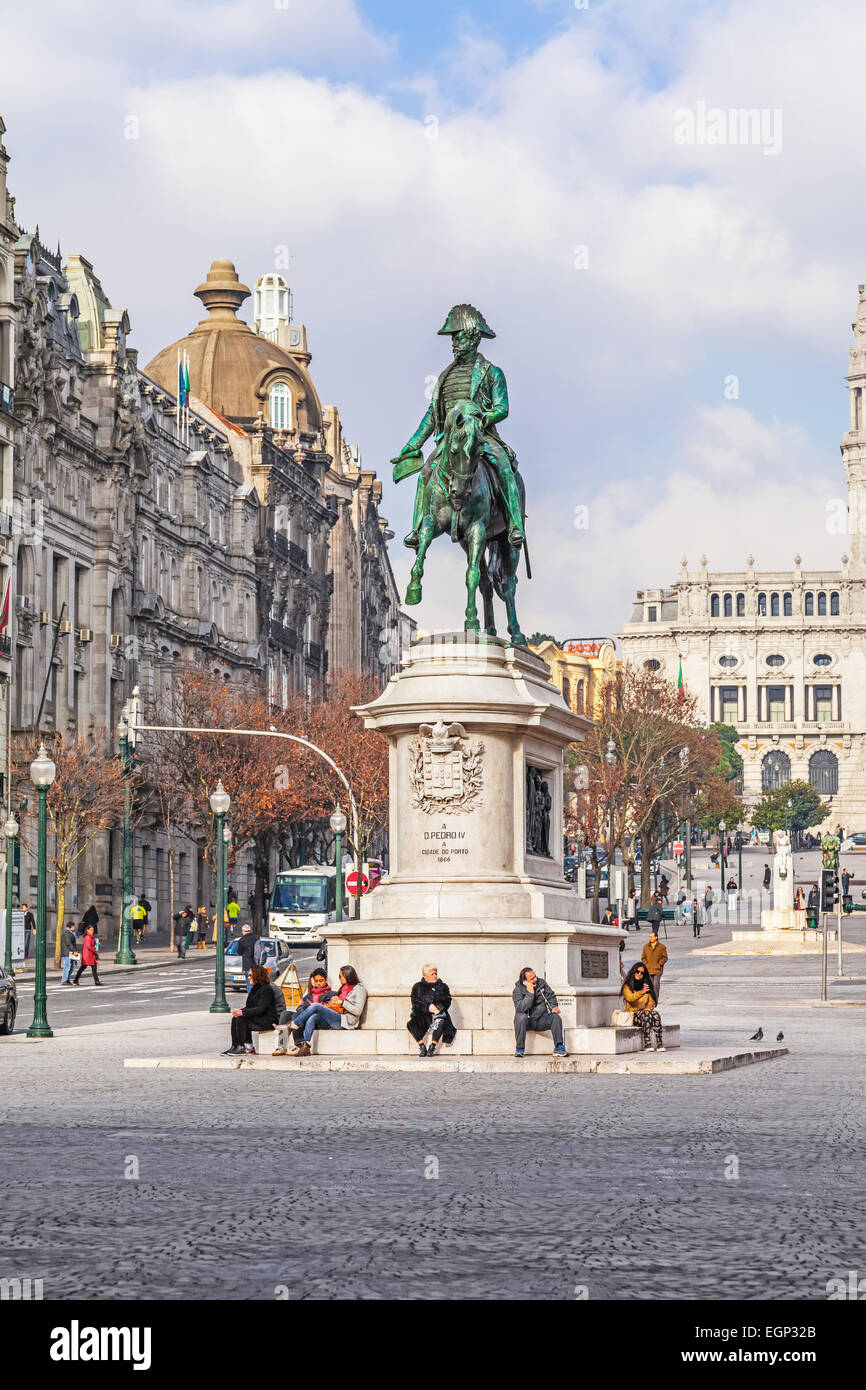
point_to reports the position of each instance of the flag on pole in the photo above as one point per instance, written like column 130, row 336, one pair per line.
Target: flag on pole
column 4, row 609
column 680, row 684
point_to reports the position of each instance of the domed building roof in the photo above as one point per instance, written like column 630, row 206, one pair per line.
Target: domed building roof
column 231, row 368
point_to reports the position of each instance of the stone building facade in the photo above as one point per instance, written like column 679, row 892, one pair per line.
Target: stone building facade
column 144, row 534
column 780, row 654
column 579, row 669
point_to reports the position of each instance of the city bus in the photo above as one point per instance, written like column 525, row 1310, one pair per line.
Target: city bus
column 304, row 901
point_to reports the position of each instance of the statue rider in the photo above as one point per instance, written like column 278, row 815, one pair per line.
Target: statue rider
column 469, row 377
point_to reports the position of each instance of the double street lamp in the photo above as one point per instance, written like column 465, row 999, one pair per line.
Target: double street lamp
column 338, row 826
column 220, row 802
column 722, row 829
column 10, row 830
column 42, row 774
column 125, row 954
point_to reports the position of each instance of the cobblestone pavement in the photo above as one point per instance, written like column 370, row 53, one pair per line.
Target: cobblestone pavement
column 132, row 1184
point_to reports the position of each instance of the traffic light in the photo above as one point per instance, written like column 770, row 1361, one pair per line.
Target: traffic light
column 829, row 890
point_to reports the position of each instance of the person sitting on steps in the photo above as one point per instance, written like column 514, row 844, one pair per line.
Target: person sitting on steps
column 259, row 1015
column 431, row 1000
column 637, row 993
column 537, row 1008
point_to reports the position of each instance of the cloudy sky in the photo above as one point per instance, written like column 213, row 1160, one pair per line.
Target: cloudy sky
column 672, row 311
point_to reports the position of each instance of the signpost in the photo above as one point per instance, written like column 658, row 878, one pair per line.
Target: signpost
column 678, row 847
column 352, row 883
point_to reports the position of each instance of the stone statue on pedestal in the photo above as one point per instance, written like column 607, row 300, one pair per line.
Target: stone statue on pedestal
column 783, row 873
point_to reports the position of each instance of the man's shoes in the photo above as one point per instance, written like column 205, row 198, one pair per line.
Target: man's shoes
column 249, row 1050
column 232, row 1051
column 431, row 1050
column 520, row 1052
column 422, row 1050
column 515, row 535
column 559, row 1051
column 97, row 983
column 411, row 540
column 279, row 1052
column 661, row 1049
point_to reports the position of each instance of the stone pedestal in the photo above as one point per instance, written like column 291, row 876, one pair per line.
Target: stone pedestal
column 477, row 734
column 776, row 919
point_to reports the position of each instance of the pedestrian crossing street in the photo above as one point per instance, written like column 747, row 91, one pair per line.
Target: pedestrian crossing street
column 152, row 991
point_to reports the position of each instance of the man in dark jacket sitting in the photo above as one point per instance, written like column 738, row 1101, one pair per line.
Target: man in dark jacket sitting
column 431, row 1000
column 259, row 1016
column 536, row 1007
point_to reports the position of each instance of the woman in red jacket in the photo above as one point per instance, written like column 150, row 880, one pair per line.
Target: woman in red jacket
column 89, row 956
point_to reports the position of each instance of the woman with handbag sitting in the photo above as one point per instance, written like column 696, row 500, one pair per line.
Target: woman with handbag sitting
column 327, row 1010
column 640, row 1002
column 259, row 1015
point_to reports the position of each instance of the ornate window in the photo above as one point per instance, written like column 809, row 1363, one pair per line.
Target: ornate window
column 823, row 696
column 775, row 659
column 741, row 605
column 822, row 659
column 762, row 605
column 652, row 664
column 566, row 691
column 788, row 606
column 775, row 771
column 729, row 704
column 834, row 605
column 776, row 704
column 579, row 698
column 714, row 606
column 824, row 772
column 280, row 406
column 810, row 605
column 822, row 605
column 774, row 605
column 728, row 660
column 729, row 606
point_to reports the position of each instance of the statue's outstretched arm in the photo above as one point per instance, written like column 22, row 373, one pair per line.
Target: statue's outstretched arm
column 423, row 432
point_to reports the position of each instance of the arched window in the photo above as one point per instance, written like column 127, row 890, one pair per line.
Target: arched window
column 226, row 610
column 280, row 406
column 822, row 605
column 578, row 700
column 175, row 584
column 652, row 664
column 729, row 606
column 788, row 606
column 775, row 771
column 162, row 587
column 741, row 605
column 810, row 606
column 566, row 691
column 834, row 605
column 714, row 606
column 160, row 497
column 762, row 605
column 774, row 605
column 824, row 772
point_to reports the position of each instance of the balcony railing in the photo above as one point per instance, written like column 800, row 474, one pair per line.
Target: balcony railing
column 7, row 398
column 5, row 645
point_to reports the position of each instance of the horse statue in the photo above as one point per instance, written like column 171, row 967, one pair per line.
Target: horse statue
column 462, row 497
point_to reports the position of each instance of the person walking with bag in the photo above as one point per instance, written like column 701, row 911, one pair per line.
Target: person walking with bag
column 68, row 952
column 89, row 957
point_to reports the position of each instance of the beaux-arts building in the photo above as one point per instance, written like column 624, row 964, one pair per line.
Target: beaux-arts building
column 781, row 655
column 241, row 535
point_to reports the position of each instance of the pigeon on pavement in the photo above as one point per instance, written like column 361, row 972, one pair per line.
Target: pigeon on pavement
column 779, row 1037
column 756, row 1037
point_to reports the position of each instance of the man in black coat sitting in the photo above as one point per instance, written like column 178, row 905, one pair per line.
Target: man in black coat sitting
column 536, row 1007
column 431, row 1000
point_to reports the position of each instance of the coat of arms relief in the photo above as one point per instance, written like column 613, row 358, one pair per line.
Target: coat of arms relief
column 445, row 770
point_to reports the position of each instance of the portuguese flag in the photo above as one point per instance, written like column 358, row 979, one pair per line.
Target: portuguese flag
column 680, row 685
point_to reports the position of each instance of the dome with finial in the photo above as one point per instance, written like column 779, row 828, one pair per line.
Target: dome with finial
column 232, row 369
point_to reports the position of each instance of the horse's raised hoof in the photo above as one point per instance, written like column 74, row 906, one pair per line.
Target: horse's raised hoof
column 413, row 594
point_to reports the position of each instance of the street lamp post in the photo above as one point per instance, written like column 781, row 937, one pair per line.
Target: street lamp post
column 338, row 825
column 220, row 801
column 42, row 774
column 740, row 829
column 722, row 829
column 10, row 830
column 789, row 806
column 125, row 954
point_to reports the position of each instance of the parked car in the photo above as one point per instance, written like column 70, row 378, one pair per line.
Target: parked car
column 276, row 958
column 8, row 1002
column 854, row 844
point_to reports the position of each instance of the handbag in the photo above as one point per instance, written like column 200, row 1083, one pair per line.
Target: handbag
column 336, row 1004
column 621, row 1018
